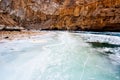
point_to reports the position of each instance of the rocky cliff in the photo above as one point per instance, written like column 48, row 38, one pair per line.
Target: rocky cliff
column 61, row 14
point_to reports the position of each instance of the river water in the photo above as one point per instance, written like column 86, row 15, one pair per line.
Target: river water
column 62, row 56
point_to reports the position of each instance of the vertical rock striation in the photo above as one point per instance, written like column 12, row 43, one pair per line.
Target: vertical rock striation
column 61, row 14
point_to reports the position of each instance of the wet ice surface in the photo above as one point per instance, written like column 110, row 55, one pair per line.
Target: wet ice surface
column 62, row 56
column 107, row 42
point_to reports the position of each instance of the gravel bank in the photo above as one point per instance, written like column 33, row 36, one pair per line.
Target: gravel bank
column 11, row 35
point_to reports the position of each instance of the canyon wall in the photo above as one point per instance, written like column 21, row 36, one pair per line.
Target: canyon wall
column 61, row 14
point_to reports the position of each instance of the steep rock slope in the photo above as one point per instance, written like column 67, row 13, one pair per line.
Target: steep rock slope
column 61, row 14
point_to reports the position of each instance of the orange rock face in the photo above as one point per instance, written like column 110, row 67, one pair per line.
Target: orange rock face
column 62, row 14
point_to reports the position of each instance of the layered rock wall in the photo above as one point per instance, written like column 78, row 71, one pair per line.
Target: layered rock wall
column 61, row 14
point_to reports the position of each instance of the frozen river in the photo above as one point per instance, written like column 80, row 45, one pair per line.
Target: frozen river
column 62, row 56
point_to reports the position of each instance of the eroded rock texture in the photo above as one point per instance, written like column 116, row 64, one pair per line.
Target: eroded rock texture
column 61, row 14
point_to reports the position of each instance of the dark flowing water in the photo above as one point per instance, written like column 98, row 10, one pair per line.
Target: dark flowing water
column 62, row 56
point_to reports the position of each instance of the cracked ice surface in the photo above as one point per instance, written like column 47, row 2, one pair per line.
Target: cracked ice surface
column 57, row 56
